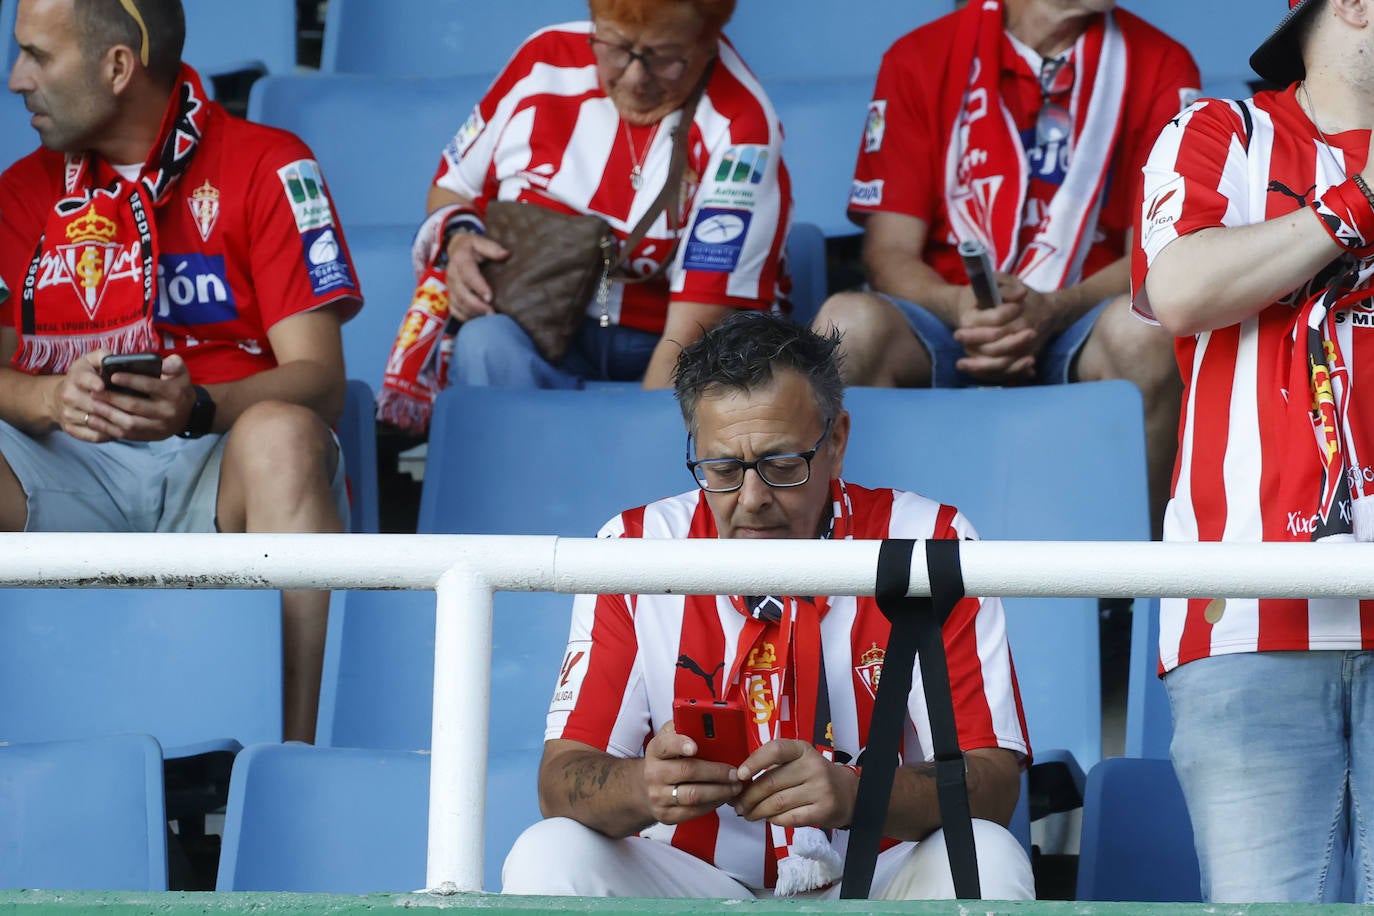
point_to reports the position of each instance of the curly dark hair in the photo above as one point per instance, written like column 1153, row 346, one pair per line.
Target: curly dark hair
column 744, row 352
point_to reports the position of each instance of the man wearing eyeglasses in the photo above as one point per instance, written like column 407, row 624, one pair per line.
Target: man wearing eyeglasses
column 1020, row 125
column 634, row 808
column 153, row 222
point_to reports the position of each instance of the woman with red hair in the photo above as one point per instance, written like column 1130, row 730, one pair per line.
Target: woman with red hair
column 583, row 121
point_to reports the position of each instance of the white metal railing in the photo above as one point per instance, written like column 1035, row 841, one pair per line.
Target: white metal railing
column 464, row 571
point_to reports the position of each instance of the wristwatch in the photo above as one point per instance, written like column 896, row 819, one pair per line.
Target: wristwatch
column 202, row 415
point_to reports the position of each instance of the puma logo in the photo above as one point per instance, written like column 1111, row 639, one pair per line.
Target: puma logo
column 685, row 662
column 1278, row 187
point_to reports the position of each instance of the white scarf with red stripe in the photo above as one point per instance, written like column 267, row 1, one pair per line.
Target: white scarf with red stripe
column 986, row 175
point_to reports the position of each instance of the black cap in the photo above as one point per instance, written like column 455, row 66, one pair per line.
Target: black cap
column 1279, row 59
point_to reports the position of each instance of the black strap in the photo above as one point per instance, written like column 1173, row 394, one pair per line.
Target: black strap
column 916, row 624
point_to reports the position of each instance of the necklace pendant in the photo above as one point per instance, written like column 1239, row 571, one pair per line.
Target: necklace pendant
column 636, row 178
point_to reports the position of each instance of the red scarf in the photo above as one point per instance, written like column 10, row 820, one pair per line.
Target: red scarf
column 92, row 283
column 985, row 165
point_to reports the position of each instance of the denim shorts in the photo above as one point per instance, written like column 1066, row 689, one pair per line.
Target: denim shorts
column 1052, row 366
column 171, row 485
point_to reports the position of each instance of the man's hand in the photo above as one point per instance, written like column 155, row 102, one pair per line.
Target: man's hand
column 99, row 415
column 469, row 295
column 796, row 787
column 1002, row 343
column 702, row 785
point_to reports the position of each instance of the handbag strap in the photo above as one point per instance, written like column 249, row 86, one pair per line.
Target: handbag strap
column 668, row 196
column 916, row 624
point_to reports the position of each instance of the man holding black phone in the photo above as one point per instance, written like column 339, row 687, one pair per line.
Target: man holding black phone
column 172, row 358
column 710, row 746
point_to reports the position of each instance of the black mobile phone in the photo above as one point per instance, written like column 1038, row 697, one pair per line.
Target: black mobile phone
column 149, row 364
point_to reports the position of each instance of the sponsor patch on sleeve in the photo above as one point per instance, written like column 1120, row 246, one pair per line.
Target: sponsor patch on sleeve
column 325, row 262
column 875, row 126
column 866, row 193
column 571, row 675
column 305, row 192
column 1162, row 209
column 716, row 240
column 469, row 132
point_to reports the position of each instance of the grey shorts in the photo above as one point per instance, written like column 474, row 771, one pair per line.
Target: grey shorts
column 1053, row 367
column 172, row 485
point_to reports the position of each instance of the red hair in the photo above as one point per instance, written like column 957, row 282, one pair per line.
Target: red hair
column 714, row 13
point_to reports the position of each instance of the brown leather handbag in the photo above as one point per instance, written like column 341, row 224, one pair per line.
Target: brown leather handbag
column 558, row 263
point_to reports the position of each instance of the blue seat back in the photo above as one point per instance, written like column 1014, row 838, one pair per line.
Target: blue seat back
column 357, row 431
column 378, row 169
column 822, row 39
column 10, row 52
column 1137, row 839
column 806, row 265
column 1221, row 34
column 822, row 124
column 434, row 37
column 17, row 138
column 325, row 820
column 198, row 670
column 83, row 815
column 1059, row 462
column 224, row 38
column 381, row 255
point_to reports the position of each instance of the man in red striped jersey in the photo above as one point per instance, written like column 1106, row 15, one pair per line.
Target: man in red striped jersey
column 633, row 810
column 1257, row 249
column 1020, row 125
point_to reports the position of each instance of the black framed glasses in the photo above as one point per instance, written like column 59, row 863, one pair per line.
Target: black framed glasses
column 1054, row 122
column 618, row 57
column 726, row 475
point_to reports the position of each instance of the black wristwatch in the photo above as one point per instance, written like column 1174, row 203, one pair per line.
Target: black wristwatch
column 202, row 415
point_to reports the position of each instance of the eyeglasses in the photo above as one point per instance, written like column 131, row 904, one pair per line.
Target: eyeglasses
column 132, row 10
column 618, row 57
column 726, row 475
column 1054, row 123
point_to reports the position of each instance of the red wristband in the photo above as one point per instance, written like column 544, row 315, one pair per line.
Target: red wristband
column 1347, row 215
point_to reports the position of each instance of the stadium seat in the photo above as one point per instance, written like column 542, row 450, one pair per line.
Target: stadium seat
column 357, row 432
column 1149, row 721
column 17, row 138
column 434, row 37
column 246, row 35
column 822, row 124
column 806, row 264
column 1221, row 34
column 10, row 53
column 199, row 670
column 381, row 255
column 380, row 167
column 1033, row 463
column 822, row 39
column 1137, row 841
column 325, row 820
column 83, row 815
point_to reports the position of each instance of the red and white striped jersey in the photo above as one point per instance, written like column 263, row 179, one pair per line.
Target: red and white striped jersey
column 546, row 132
column 625, row 663
column 1239, row 476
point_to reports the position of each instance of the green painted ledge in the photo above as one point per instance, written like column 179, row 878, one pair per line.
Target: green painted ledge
column 103, row 903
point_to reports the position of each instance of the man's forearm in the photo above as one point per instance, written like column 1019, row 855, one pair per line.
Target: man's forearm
column 914, row 812
column 915, row 281
column 25, row 400
column 1073, row 302
column 604, row 792
column 298, row 382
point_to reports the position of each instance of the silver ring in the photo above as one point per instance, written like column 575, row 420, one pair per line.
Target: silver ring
column 675, row 801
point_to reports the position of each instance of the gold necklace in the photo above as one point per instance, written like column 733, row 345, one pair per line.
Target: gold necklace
column 637, row 172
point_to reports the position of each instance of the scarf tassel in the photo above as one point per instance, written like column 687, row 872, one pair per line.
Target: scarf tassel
column 55, row 355
column 811, row 863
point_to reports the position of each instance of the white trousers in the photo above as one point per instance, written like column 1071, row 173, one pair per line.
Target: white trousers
column 561, row 857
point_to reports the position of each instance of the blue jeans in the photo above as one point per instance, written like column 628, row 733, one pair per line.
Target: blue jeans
column 1275, row 753
column 494, row 350
column 1053, row 366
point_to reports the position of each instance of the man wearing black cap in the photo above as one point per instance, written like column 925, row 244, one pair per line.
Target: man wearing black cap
column 1256, row 248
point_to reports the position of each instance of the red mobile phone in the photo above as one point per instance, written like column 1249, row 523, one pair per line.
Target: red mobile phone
column 718, row 727
column 149, row 364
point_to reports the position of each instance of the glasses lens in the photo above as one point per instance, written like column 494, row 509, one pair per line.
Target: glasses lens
column 1053, row 125
column 1056, row 75
column 666, row 68
column 611, row 55
column 722, row 474
column 786, row 471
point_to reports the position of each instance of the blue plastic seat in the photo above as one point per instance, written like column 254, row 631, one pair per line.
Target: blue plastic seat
column 379, row 168
column 246, row 35
column 1221, row 34
column 325, row 820
column 1058, row 462
column 83, row 815
column 381, row 255
column 1137, row 840
column 822, row 124
column 806, row 264
column 357, row 432
column 17, row 138
column 434, row 37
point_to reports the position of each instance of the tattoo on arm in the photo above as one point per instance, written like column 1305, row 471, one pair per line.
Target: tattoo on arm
column 586, row 777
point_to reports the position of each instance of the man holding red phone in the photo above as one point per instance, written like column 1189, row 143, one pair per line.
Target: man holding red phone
column 153, row 222
column 635, row 806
